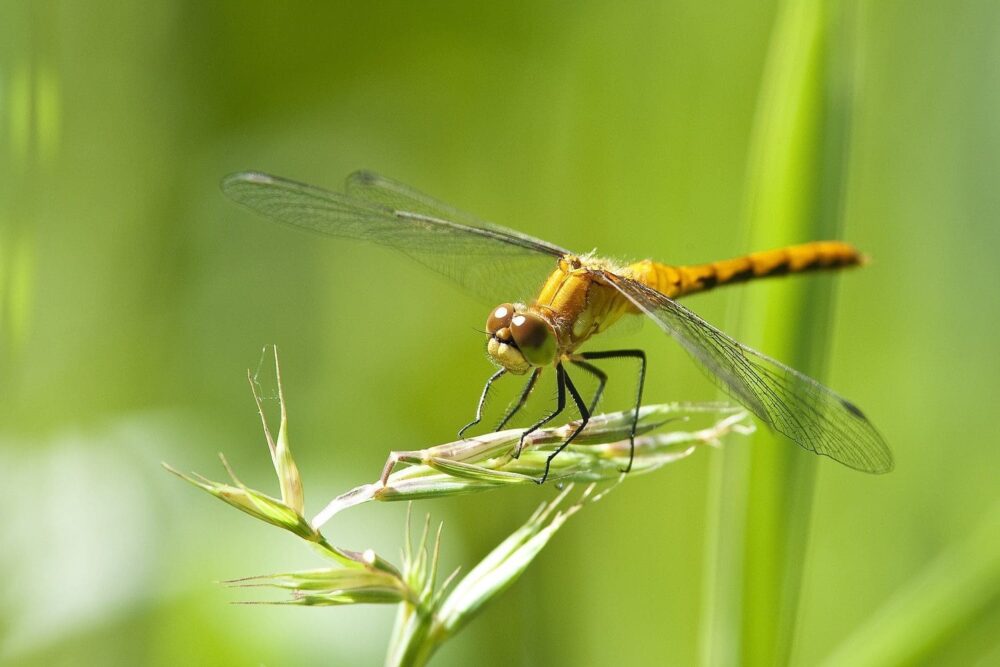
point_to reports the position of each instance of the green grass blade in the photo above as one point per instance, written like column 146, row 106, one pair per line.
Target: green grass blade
column 762, row 499
column 935, row 608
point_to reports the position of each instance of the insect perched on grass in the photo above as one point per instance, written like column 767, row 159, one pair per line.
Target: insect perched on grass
column 582, row 296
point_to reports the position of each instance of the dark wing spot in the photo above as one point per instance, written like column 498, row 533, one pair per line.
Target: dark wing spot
column 853, row 409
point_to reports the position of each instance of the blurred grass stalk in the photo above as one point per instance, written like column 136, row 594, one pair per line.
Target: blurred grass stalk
column 761, row 497
column 942, row 609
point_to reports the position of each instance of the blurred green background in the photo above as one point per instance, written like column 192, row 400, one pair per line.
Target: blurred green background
column 134, row 296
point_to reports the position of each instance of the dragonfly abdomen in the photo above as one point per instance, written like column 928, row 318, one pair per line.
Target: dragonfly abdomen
column 678, row 281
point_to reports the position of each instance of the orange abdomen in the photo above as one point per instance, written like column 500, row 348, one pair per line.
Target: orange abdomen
column 678, row 281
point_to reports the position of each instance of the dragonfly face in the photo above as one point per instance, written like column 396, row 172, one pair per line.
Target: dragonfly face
column 520, row 338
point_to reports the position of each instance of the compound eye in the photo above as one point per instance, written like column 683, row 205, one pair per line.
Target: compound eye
column 500, row 317
column 534, row 338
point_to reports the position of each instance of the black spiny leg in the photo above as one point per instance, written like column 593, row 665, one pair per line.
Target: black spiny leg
column 602, row 381
column 482, row 402
column 560, row 405
column 522, row 399
column 629, row 354
column 584, row 418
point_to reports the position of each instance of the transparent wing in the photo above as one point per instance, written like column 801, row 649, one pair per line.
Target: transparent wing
column 383, row 191
column 793, row 404
column 491, row 262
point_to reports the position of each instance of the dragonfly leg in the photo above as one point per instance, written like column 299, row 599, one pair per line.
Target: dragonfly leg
column 560, row 405
column 640, row 356
column 584, row 418
column 482, row 401
column 522, row 399
column 602, row 381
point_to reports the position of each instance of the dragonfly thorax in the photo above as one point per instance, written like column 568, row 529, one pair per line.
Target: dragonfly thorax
column 520, row 338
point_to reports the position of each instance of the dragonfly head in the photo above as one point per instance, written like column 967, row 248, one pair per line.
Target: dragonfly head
column 520, row 338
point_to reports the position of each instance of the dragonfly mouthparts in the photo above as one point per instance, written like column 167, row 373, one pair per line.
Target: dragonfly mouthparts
column 506, row 354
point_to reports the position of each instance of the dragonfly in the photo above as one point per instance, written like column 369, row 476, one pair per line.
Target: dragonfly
column 581, row 296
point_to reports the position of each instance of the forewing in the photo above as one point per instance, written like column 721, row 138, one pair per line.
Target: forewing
column 491, row 262
column 793, row 404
